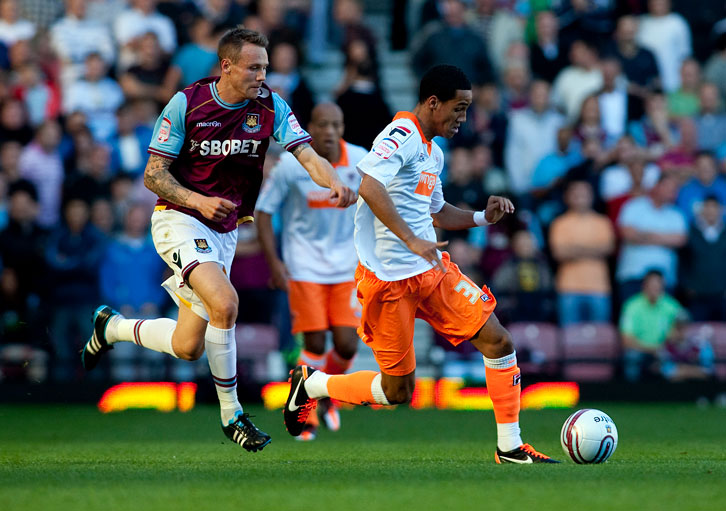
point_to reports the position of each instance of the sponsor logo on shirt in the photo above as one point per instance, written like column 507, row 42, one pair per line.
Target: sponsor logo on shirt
column 399, row 133
column 385, row 148
column 193, row 144
column 225, row 147
column 426, row 184
column 294, row 124
column 164, row 130
column 209, row 124
column 252, row 123
column 320, row 200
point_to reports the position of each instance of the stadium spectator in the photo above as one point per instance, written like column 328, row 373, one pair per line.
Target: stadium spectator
column 149, row 77
column 41, row 13
column 355, row 39
column 645, row 322
column 74, row 252
column 577, row 81
column 618, row 106
column 40, row 96
column 498, row 27
column 550, row 176
column 91, row 178
column 639, row 64
column 101, row 216
column 515, row 84
column 706, row 182
column 463, row 187
column 492, row 177
column 9, row 160
column 128, row 276
column 684, row 356
column 703, row 271
column 139, row 18
column 711, row 120
column 97, row 96
column 667, row 35
column 129, row 146
column 196, row 59
column 221, row 13
column 684, row 102
column 486, row 122
column 652, row 229
column 655, row 131
column 451, row 41
column 75, row 36
column 523, row 283
column 531, row 135
column 589, row 123
column 548, row 53
column 14, row 125
column 363, row 101
column 714, row 70
column 581, row 240
column 284, row 77
column 12, row 27
column 581, row 18
column 40, row 163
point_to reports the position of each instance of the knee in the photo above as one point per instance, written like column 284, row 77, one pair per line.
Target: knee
column 189, row 353
column 398, row 395
column 347, row 351
column 224, row 311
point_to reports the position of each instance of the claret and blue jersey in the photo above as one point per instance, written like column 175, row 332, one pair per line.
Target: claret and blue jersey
column 219, row 148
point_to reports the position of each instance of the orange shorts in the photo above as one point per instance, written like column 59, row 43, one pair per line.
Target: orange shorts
column 315, row 307
column 450, row 302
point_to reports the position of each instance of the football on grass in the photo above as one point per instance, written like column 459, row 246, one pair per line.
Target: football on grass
column 589, row 436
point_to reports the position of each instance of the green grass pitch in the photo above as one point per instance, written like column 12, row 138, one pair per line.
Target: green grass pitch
column 670, row 456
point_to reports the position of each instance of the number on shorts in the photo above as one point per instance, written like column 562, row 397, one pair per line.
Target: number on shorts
column 468, row 290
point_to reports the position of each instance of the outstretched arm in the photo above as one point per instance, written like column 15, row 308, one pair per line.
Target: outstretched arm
column 322, row 172
column 452, row 218
column 159, row 180
column 377, row 198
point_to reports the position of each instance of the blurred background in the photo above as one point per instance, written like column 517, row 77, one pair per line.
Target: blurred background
column 603, row 120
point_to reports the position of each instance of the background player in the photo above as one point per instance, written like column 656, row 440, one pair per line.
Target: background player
column 318, row 253
column 400, row 202
column 206, row 161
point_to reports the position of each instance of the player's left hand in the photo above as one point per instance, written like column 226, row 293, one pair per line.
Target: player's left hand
column 497, row 207
column 343, row 195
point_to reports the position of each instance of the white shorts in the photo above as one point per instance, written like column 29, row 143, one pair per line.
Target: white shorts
column 183, row 242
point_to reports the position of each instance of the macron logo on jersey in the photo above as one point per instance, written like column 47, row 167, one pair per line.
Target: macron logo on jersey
column 209, row 124
column 426, row 184
column 225, row 147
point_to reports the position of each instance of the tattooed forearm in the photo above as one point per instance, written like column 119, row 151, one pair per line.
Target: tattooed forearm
column 159, row 180
column 299, row 149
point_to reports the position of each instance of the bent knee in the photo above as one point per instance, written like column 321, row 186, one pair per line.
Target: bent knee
column 224, row 312
column 190, row 351
column 398, row 396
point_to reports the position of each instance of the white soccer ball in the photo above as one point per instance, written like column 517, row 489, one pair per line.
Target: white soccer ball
column 589, row 436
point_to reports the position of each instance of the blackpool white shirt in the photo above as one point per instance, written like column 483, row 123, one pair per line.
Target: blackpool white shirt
column 317, row 237
column 409, row 167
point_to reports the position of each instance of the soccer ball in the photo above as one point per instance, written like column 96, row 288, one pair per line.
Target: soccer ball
column 589, row 436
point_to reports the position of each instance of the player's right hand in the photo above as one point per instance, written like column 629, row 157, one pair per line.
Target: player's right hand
column 279, row 276
column 428, row 250
column 343, row 195
column 215, row 208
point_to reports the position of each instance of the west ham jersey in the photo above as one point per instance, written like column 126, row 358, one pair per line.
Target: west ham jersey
column 409, row 167
column 317, row 237
column 219, row 148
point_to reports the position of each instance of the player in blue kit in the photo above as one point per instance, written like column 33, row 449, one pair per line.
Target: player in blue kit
column 205, row 164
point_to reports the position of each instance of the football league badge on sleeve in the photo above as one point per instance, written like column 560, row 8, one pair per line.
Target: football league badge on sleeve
column 252, row 123
column 202, row 246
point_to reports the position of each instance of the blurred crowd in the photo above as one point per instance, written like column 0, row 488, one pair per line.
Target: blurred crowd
column 603, row 120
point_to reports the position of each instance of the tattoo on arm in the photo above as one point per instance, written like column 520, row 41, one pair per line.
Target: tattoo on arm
column 159, row 180
column 299, row 149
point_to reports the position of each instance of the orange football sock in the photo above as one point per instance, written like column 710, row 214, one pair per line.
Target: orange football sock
column 504, row 390
column 354, row 388
column 335, row 364
column 311, row 359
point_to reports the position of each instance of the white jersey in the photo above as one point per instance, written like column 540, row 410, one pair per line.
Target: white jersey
column 409, row 167
column 317, row 237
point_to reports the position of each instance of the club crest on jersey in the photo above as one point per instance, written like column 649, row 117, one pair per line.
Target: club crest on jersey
column 252, row 123
column 202, row 246
column 164, row 130
column 385, row 148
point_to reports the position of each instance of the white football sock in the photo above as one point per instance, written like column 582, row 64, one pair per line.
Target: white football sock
column 221, row 349
column 377, row 391
column 155, row 334
column 317, row 385
column 508, row 436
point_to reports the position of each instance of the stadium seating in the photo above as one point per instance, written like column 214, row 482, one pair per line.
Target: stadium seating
column 590, row 351
column 254, row 344
column 538, row 347
column 715, row 333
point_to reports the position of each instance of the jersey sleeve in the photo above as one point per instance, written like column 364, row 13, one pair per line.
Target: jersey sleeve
column 274, row 190
column 287, row 130
column 169, row 131
column 388, row 155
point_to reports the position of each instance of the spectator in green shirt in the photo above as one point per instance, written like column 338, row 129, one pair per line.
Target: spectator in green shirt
column 645, row 322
